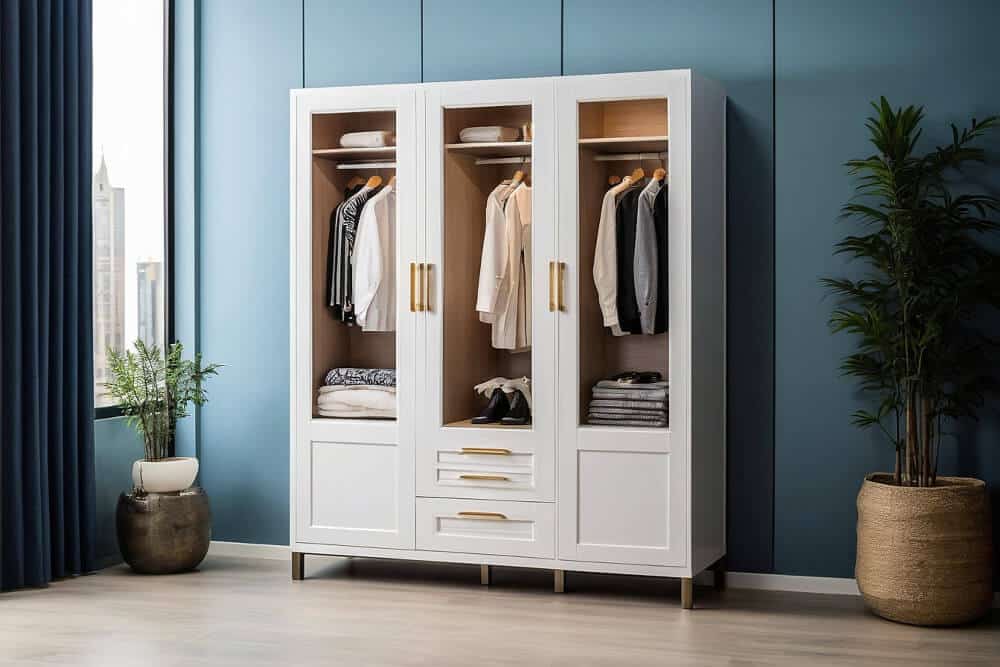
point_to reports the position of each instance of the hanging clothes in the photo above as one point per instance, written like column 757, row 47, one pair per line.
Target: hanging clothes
column 606, row 257
column 494, row 253
column 650, row 257
column 348, row 215
column 333, row 243
column 625, row 223
column 512, row 327
column 373, row 262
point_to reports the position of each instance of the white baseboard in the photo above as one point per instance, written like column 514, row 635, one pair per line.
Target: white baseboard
column 249, row 550
column 748, row 580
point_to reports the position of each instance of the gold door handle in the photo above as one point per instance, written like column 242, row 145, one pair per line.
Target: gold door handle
column 560, row 281
column 486, row 478
column 413, row 284
column 492, row 516
column 425, row 286
column 498, row 451
column 553, row 305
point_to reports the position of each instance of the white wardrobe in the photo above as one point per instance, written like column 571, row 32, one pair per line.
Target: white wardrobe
column 558, row 493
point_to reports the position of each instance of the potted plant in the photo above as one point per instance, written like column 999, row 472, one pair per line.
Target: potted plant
column 924, row 552
column 164, row 523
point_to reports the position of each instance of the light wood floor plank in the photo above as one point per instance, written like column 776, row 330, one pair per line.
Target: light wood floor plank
column 248, row 612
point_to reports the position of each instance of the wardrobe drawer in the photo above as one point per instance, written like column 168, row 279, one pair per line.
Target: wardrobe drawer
column 497, row 527
column 495, row 473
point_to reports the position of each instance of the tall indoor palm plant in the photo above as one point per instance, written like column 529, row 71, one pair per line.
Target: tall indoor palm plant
column 924, row 550
column 929, row 276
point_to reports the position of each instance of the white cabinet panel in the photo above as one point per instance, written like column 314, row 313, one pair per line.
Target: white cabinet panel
column 351, row 493
column 486, row 527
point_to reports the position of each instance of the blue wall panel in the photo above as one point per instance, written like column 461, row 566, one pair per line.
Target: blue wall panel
column 352, row 43
column 729, row 40
column 831, row 60
column 250, row 56
column 490, row 40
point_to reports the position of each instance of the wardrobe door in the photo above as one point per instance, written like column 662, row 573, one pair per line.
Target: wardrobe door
column 352, row 460
column 456, row 457
column 622, row 486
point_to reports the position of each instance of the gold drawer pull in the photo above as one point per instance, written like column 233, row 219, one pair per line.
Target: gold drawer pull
column 492, row 478
column 492, row 516
column 497, row 451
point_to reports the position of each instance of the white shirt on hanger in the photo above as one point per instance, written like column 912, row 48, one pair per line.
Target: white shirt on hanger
column 606, row 258
column 494, row 255
column 374, row 263
column 512, row 328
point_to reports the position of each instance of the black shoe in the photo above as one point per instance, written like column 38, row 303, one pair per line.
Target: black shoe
column 497, row 408
column 520, row 413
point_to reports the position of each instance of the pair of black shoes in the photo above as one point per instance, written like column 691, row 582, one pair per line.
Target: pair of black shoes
column 512, row 412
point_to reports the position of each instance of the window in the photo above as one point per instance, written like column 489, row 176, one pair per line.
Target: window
column 130, row 197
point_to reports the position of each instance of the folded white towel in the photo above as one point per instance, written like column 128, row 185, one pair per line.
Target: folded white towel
column 334, row 388
column 361, row 399
column 489, row 133
column 371, row 139
column 358, row 414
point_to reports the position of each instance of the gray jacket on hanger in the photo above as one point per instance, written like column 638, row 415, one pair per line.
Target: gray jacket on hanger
column 646, row 265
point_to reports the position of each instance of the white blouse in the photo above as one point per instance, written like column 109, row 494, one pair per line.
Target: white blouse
column 374, row 263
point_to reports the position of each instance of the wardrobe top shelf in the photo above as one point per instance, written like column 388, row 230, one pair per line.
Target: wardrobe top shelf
column 492, row 148
column 644, row 144
column 339, row 154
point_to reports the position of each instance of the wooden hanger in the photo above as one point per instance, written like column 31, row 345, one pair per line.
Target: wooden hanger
column 518, row 176
column 374, row 181
column 355, row 181
column 638, row 175
column 392, row 181
column 614, row 180
column 659, row 173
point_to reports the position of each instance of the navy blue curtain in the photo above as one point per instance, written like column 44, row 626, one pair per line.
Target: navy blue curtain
column 46, row 375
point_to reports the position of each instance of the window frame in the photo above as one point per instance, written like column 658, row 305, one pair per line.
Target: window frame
column 111, row 411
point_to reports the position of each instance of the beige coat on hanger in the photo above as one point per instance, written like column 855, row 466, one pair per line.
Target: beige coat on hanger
column 512, row 328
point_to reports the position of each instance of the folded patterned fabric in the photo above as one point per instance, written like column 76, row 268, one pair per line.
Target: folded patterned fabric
column 624, row 403
column 614, row 384
column 371, row 139
column 626, row 422
column 364, row 399
column 489, row 133
column 385, row 377
column 661, row 412
column 333, row 388
column 636, row 394
column 636, row 416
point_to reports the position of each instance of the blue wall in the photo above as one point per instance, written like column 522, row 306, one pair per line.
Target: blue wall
column 798, row 75
column 116, row 446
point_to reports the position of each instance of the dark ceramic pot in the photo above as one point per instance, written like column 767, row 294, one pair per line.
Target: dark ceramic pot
column 164, row 533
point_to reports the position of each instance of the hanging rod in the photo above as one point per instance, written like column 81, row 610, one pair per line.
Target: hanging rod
column 502, row 160
column 616, row 157
column 366, row 165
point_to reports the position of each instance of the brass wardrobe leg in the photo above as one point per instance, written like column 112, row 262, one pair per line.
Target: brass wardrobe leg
column 687, row 593
column 484, row 575
column 559, row 581
column 719, row 574
column 298, row 566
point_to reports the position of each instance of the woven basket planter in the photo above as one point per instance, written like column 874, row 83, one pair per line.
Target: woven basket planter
column 925, row 555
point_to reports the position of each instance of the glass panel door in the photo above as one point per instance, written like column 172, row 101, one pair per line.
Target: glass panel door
column 490, row 362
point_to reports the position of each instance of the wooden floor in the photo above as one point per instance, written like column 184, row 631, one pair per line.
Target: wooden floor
column 363, row 612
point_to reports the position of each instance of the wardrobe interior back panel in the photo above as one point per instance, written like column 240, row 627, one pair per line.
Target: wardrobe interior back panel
column 602, row 354
column 335, row 343
column 468, row 354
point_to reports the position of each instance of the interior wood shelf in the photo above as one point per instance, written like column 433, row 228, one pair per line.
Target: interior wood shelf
column 467, row 423
column 342, row 154
column 645, row 144
column 492, row 148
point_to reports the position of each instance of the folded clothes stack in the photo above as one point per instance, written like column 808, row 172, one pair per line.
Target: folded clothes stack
column 630, row 401
column 358, row 393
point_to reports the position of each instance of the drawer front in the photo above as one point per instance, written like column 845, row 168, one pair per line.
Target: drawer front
column 491, row 473
column 502, row 528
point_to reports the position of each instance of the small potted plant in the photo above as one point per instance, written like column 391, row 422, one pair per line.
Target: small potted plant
column 163, row 523
column 924, row 551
